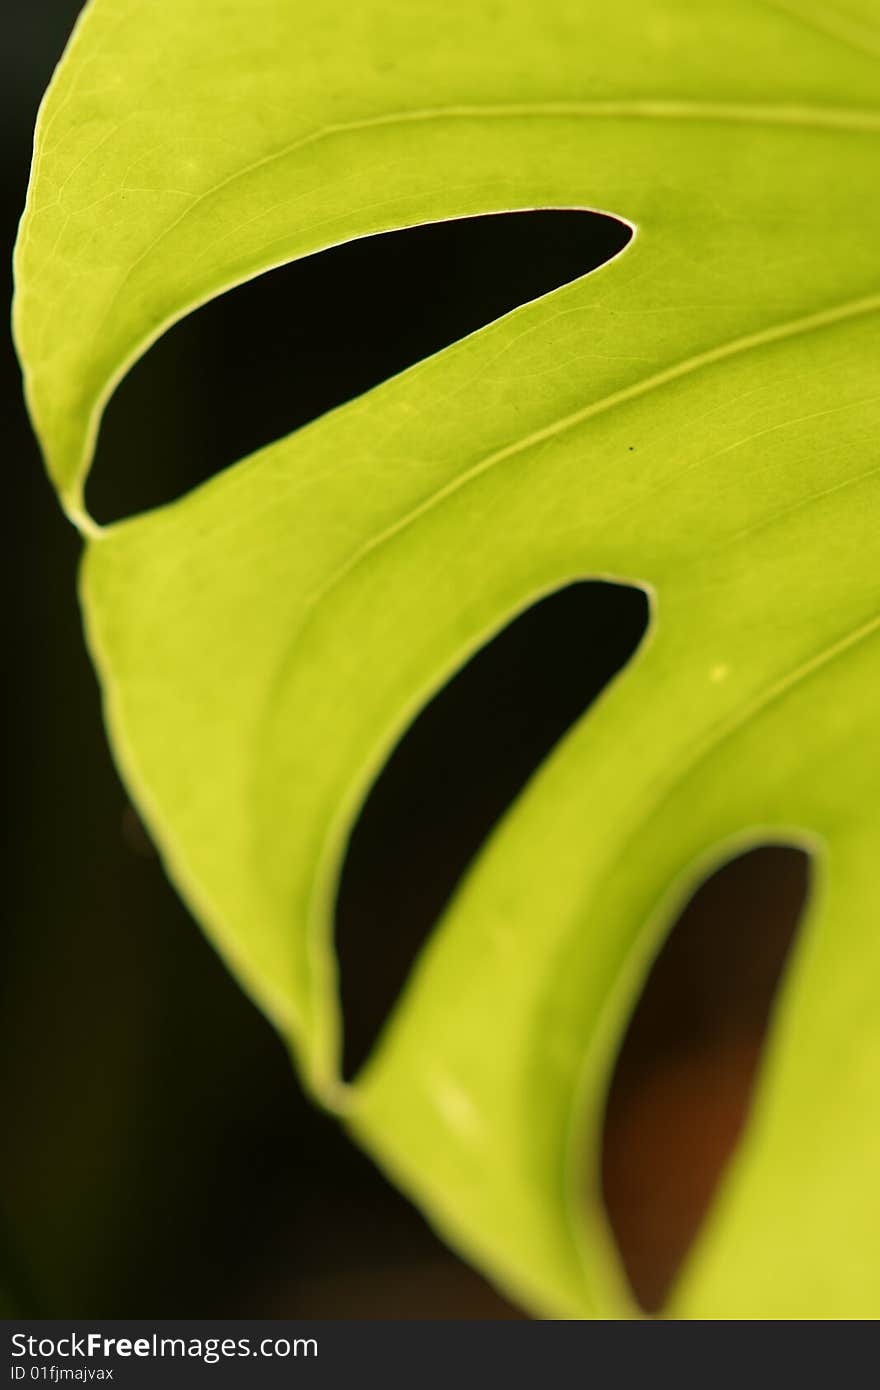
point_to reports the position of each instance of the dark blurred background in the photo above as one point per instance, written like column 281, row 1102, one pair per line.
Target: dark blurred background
column 159, row 1158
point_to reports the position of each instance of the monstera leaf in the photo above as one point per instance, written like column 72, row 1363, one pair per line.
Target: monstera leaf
column 699, row 417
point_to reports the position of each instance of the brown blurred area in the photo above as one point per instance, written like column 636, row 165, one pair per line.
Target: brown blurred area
column 160, row 1159
column 680, row 1092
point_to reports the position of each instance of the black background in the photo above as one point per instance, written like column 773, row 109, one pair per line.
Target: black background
column 160, row 1159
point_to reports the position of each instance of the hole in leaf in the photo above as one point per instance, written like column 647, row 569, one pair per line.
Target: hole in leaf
column 456, row 770
column 269, row 356
column 685, row 1073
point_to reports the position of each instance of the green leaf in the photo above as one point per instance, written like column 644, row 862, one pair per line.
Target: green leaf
column 700, row 417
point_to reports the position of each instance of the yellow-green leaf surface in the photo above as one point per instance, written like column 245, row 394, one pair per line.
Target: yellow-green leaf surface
column 700, row 416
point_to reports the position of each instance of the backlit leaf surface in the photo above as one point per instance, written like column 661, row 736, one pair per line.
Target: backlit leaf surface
column 700, row 416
